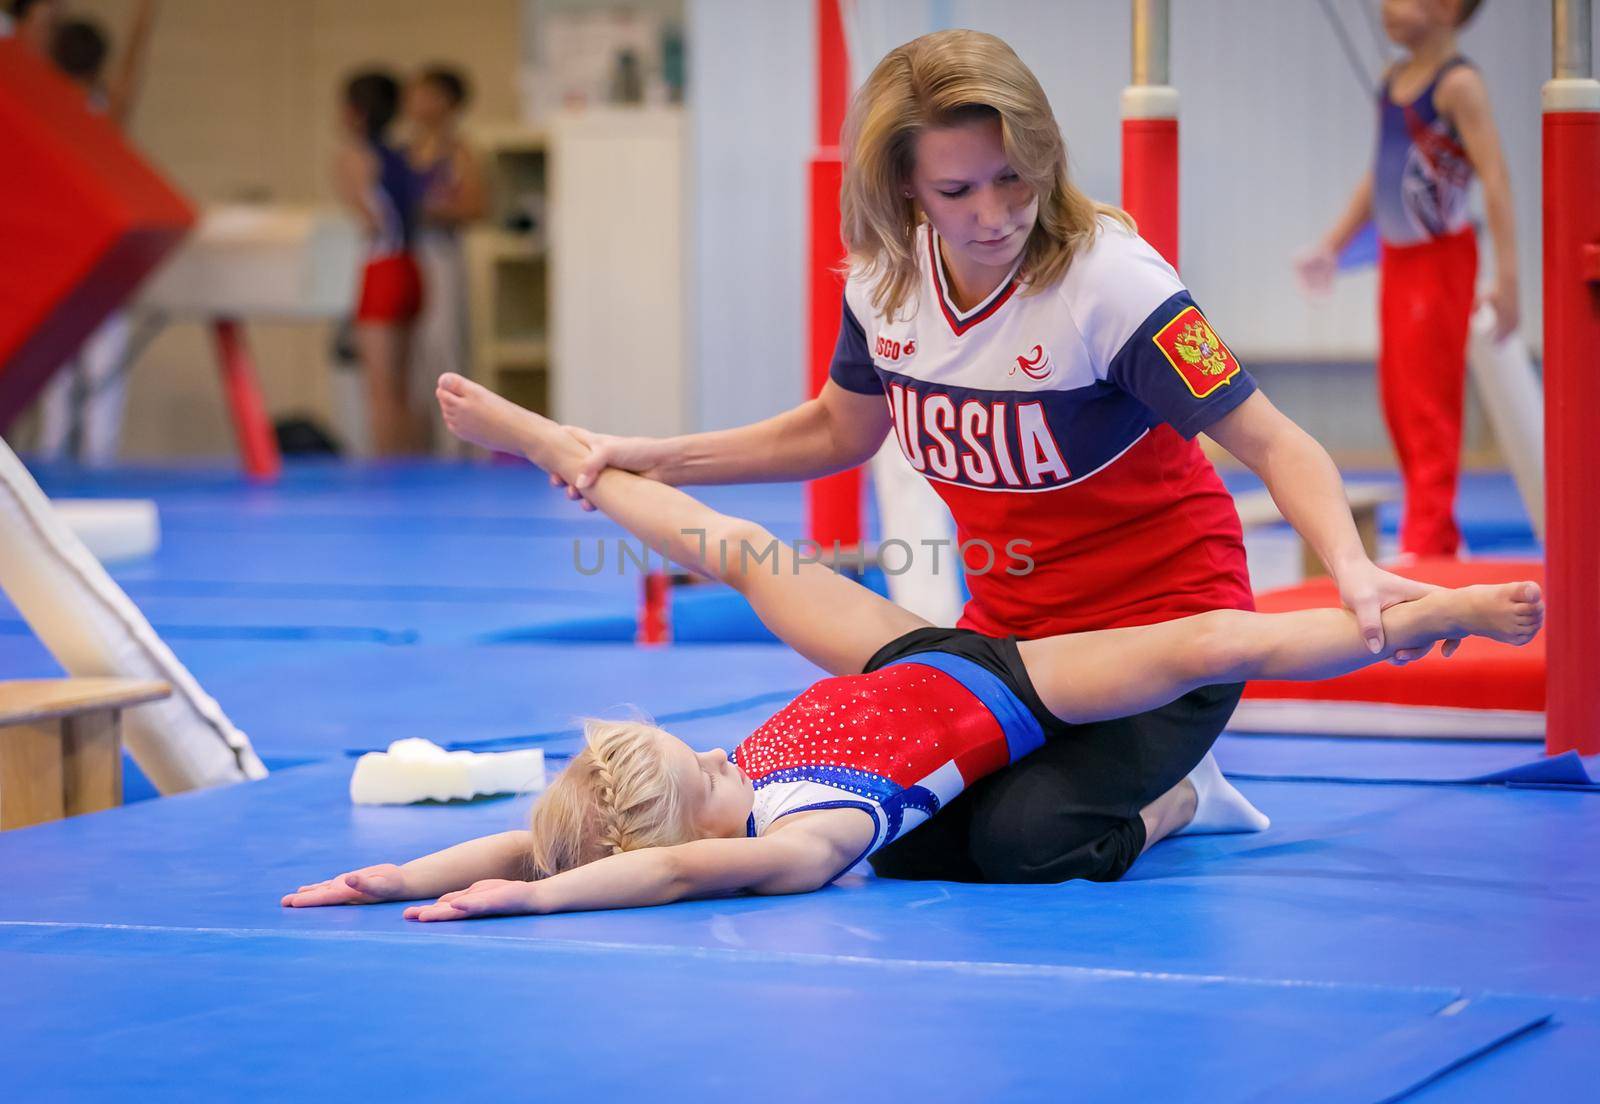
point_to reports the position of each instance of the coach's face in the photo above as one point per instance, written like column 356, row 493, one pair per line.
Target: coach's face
column 981, row 208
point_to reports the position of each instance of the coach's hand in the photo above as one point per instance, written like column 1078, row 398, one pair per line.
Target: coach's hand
column 1367, row 590
column 643, row 455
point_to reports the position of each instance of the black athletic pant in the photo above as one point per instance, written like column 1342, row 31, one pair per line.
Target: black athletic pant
column 1068, row 810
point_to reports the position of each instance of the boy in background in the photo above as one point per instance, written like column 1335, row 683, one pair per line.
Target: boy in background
column 1435, row 131
column 81, row 408
column 452, row 198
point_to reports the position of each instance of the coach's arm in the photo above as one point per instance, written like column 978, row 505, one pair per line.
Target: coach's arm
column 833, row 432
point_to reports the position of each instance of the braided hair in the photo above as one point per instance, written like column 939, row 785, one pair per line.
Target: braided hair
column 616, row 795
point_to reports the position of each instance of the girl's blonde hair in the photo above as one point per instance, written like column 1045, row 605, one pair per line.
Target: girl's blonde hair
column 616, row 795
column 944, row 79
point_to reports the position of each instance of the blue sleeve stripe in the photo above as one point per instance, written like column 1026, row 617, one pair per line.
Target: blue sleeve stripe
column 1141, row 370
column 852, row 367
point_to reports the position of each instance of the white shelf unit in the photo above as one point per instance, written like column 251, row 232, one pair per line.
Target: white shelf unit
column 508, row 268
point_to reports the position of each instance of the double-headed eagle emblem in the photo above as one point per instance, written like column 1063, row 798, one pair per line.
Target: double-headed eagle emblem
column 1198, row 346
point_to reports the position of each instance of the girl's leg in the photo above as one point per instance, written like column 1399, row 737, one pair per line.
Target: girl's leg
column 1118, row 672
column 381, row 347
column 832, row 621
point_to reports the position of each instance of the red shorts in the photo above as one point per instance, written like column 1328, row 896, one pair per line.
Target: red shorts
column 391, row 290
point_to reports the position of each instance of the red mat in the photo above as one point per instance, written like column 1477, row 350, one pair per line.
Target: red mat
column 1482, row 675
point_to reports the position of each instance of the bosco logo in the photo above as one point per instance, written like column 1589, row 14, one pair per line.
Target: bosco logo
column 889, row 349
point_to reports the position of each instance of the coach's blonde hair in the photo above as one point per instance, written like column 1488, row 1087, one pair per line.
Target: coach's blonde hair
column 616, row 795
column 944, row 79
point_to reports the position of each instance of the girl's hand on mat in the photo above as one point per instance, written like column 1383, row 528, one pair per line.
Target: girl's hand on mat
column 367, row 886
column 1367, row 590
column 493, row 897
column 644, row 455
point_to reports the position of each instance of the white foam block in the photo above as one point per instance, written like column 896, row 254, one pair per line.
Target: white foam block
column 112, row 529
column 420, row 770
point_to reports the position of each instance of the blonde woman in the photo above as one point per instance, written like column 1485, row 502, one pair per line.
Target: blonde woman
column 1047, row 372
column 912, row 717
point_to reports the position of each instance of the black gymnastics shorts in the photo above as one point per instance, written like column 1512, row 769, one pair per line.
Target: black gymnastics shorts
column 996, row 654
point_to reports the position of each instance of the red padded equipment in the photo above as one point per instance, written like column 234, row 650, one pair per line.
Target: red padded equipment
column 1483, row 674
column 82, row 220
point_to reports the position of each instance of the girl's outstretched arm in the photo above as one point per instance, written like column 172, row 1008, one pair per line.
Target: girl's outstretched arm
column 504, row 855
column 793, row 860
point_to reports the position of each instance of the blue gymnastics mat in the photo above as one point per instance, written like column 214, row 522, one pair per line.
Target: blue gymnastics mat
column 396, row 553
column 1396, row 934
column 1375, row 940
column 1391, row 760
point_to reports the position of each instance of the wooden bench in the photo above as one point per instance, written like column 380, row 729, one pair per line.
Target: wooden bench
column 61, row 745
column 1257, row 510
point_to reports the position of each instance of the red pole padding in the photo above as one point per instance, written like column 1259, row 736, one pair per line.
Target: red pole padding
column 1150, row 181
column 833, row 504
column 833, row 74
column 258, row 446
column 655, row 610
column 1572, row 447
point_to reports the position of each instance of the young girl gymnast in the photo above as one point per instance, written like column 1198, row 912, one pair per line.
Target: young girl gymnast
column 381, row 189
column 913, row 715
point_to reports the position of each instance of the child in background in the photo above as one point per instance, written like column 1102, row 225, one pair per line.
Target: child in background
column 33, row 23
column 378, row 184
column 81, row 408
column 452, row 197
column 1435, row 130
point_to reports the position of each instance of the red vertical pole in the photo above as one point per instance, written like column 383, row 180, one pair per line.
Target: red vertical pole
column 833, row 503
column 258, row 447
column 655, row 610
column 1150, row 134
column 1572, row 388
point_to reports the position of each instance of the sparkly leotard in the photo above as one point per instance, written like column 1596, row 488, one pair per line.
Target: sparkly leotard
column 898, row 743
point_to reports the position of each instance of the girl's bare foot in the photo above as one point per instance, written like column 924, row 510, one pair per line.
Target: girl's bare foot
column 1511, row 613
column 475, row 414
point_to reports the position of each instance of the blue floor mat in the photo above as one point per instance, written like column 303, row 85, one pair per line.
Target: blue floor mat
column 241, row 1015
column 1354, row 951
column 363, row 699
column 1388, row 886
column 1377, row 940
column 1319, row 758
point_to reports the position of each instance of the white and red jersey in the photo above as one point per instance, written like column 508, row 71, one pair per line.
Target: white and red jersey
column 898, row 743
column 1064, row 419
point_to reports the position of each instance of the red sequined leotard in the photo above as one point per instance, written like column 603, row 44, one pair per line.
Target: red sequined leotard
column 897, row 743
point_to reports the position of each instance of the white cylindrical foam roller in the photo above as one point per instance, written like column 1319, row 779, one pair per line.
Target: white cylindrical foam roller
column 1513, row 398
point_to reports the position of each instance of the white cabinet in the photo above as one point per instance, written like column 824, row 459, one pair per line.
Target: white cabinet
column 618, row 270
